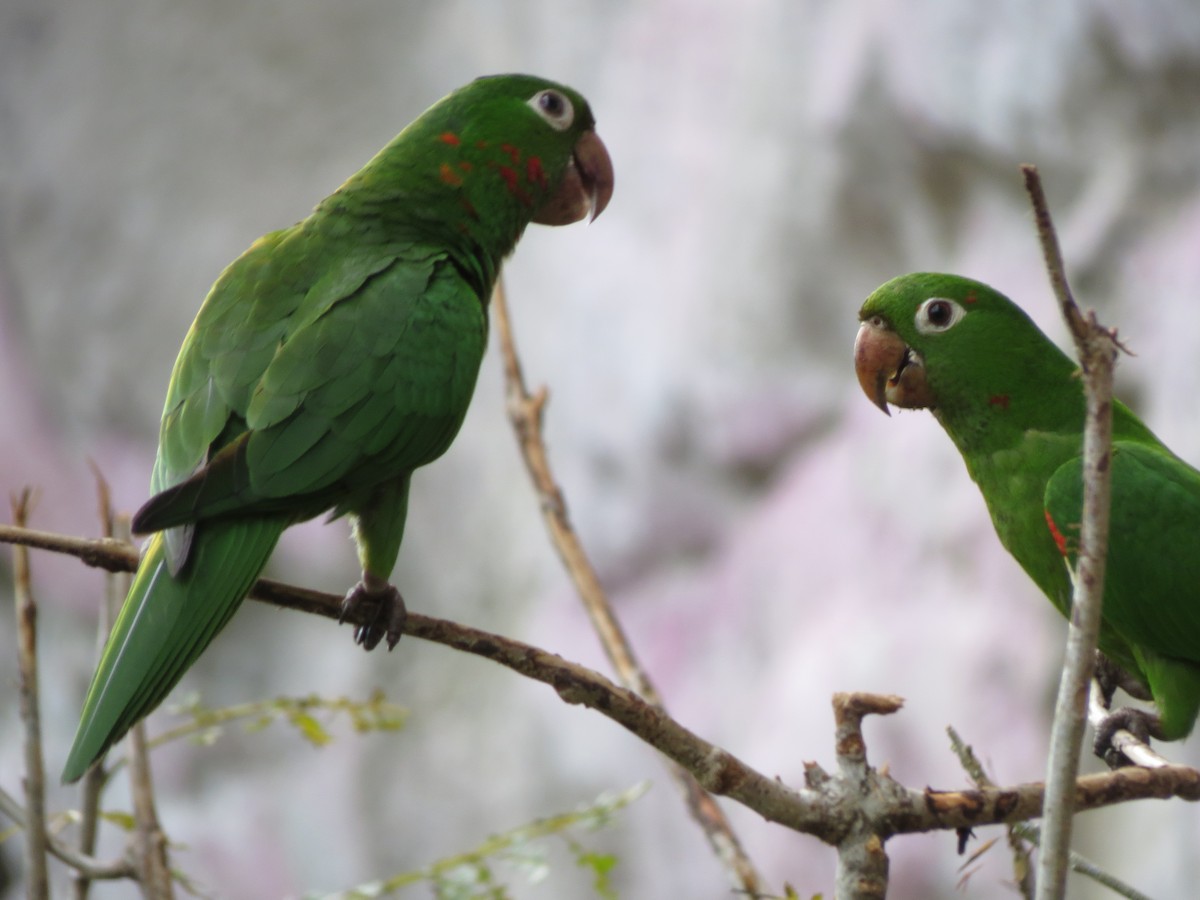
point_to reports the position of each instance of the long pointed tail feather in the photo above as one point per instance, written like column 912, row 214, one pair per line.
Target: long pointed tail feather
column 164, row 626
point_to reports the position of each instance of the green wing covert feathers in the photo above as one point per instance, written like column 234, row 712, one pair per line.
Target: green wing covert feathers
column 327, row 363
column 1013, row 404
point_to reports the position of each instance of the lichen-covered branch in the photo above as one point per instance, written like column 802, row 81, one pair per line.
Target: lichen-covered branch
column 862, row 870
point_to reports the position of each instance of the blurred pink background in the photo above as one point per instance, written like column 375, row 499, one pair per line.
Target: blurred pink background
column 768, row 537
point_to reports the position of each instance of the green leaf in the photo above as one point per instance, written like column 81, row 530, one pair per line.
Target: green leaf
column 122, row 820
column 601, row 865
column 312, row 730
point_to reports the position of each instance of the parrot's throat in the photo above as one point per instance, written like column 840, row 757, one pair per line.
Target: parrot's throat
column 479, row 271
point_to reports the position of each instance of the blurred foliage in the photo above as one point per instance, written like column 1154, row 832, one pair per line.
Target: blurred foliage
column 524, row 851
column 206, row 726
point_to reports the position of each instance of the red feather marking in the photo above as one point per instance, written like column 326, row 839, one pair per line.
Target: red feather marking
column 513, row 153
column 465, row 166
column 449, row 137
column 970, row 298
column 510, row 177
column 482, row 145
column 1000, row 400
column 534, row 172
column 511, row 181
column 449, row 176
column 1059, row 540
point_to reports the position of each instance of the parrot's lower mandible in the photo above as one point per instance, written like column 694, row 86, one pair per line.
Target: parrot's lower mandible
column 328, row 362
column 1013, row 404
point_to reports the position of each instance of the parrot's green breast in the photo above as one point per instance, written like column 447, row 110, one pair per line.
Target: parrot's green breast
column 1013, row 483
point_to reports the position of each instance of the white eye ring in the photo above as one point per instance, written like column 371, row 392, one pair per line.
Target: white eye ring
column 938, row 314
column 554, row 107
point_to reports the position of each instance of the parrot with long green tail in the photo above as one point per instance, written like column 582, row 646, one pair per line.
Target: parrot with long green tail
column 328, row 362
column 1013, row 404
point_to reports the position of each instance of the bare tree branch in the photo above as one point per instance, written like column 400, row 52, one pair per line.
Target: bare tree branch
column 95, row 777
column 149, row 840
column 1097, row 350
column 525, row 412
column 38, row 879
column 827, row 808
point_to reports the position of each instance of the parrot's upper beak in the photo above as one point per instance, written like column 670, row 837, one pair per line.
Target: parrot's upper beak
column 586, row 186
column 888, row 369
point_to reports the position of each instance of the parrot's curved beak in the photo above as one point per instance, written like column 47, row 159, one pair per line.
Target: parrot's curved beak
column 586, row 186
column 888, row 370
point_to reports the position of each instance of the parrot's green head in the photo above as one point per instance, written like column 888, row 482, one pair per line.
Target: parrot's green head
column 959, row 348
column 490, row 158
column 537, row 138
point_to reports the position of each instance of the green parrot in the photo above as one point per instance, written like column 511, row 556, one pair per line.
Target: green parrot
column 1013, row 404
column 328, row 362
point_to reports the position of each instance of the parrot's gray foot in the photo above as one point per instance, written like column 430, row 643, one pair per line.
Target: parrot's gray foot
column 1109, row 676
column 385, row 612
column 1141, row 724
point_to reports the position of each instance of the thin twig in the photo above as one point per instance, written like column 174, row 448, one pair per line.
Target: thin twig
column 149, row 839
column 94, row 779
column 1021, row 862
column 80, row 862
column 1081, row 865
column 525, row 412
column 1020, row 832
column 37, row 875
column 820, row 810
column 1097, row 352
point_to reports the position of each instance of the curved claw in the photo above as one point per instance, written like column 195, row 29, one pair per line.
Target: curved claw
column 1141, row 724
column 386, row 614
column 1109, row 676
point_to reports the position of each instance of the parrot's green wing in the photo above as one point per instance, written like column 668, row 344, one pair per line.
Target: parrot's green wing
column 1152, row 572
column 327, row 363
column 365, row 387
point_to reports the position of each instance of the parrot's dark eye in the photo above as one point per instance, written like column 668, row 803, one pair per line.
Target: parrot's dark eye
column 554, row 107
column 938, row 314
